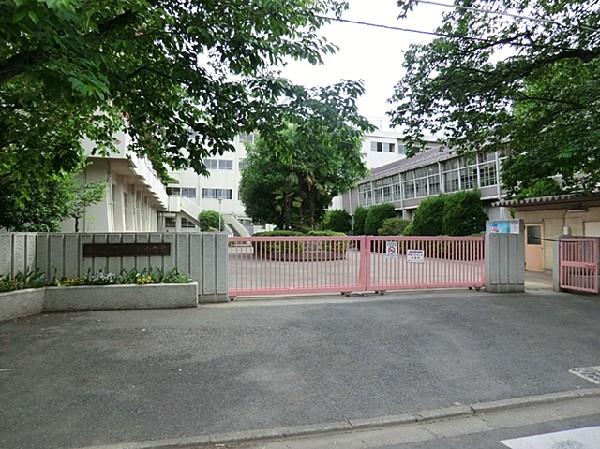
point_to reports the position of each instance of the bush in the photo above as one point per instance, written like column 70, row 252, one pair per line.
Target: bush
column 28, row 279
column 393, row 226
column 337, row 220
column 376, row 215
column 463, row 214
column 360, row 216
column 282, row 233
column 326, row 233
column 209, row 220
column 428, row 217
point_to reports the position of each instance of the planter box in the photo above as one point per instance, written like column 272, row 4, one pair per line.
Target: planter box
column 21, row 303
column 121, row 297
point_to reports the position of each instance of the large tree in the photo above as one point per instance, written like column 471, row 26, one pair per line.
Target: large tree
column 181, row 77
column 517, row 75
column 294, row 172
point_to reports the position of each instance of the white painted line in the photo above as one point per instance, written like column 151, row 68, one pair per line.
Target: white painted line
column 590, row 373
column 582, row 438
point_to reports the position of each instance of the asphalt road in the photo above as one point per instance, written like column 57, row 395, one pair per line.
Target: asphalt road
column 84, row 379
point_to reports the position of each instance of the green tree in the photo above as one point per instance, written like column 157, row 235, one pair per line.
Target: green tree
column 492, row 82
column 463, row 214
column 294, row 172
column 337, row 220
column 209, row 220
column 427, row 219
column 181, row 78
column 359, row 218
column 376, row 216
column 48, row 201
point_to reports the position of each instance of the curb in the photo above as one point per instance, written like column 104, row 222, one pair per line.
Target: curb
column 425, row 416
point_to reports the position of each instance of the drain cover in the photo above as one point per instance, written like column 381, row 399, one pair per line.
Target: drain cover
column 591, row 374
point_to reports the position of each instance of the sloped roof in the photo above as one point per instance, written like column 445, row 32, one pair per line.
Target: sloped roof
column 550, row 201
column 421, row 159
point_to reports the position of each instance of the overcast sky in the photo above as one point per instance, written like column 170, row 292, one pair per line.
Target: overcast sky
column 373, row 55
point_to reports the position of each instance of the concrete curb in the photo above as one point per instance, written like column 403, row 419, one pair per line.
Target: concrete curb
column 424, row 416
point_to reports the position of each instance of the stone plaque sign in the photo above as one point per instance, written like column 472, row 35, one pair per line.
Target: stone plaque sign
column 126, row 249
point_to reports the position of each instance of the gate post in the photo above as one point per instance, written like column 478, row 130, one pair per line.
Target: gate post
column 363, row 270
column 505, row 256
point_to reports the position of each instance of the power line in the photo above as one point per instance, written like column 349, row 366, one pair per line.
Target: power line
column 501, row 13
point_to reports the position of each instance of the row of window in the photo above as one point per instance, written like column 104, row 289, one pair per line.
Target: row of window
column 170, row 222
column 458, row 174
column 223, row 164
column 190, row 192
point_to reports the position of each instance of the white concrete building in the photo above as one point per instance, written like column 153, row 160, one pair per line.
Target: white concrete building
column 220, row 191
column 134, row 196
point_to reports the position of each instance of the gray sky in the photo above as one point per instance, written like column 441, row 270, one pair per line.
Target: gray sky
column 371, row 54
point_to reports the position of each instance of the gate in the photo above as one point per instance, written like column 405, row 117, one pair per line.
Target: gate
column 579, row 259
column 260, row 266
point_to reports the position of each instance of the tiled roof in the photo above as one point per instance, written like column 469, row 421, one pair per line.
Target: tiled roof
column 421, row 159
column 546, row 200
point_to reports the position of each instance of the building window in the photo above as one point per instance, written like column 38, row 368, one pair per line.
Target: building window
column 247, row 138
column 170, row 222
column 218, row 164
column 243, row 164
column 468, row 178
column 217, row 193
column 383, row 147
column 188, row 192
column 420, row 187
column 451, row 181
column 401, row 149
column 185, row 223
column 487, row 175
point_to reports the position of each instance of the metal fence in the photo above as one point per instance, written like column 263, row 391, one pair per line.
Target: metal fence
column 260, row 266
column 579, row 260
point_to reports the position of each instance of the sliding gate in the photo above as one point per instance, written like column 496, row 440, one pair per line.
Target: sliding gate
column 579, row 261
column 260, row 266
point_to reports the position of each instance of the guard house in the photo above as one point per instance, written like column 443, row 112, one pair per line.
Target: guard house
column 548, row 217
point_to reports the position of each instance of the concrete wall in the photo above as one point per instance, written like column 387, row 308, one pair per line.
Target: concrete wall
column 505, row 262
column 579, row 223
column 201, row 255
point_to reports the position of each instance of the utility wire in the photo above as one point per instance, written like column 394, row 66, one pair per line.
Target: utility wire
column 501, row 13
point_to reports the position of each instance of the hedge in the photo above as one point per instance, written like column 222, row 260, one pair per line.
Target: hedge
column 337, row 220
column 376, row 215
column 428, row 217
column 393, row 226
column 463, row 214
column 360, row 216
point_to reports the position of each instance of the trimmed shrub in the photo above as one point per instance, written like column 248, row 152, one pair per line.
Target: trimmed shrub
column 326, row 233
column 360, row 216
column 428, row 217
column 209, row 219
column 393, row 226
column 282, row 233
column 463, row 214
column 376, row 215
column 337, row 220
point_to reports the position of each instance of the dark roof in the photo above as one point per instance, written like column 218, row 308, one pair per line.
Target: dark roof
column 421, row 159
column 552, row 201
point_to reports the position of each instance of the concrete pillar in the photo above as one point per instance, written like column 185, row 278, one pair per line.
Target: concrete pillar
column 505, row 260
column 556, row 265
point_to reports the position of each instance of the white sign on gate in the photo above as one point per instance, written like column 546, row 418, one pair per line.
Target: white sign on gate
column 415, row 255
column 391, row 248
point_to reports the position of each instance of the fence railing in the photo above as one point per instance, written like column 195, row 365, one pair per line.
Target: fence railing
column 283, row 265
column 579, row 264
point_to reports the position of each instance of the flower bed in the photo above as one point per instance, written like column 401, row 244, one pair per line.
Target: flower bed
column 30, row 293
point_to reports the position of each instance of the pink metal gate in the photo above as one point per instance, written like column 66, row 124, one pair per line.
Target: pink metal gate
column 261, row 266
column 579, row 260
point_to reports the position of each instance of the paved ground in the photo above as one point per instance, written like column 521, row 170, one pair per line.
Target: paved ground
column 487, row 431
column 76, row 380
